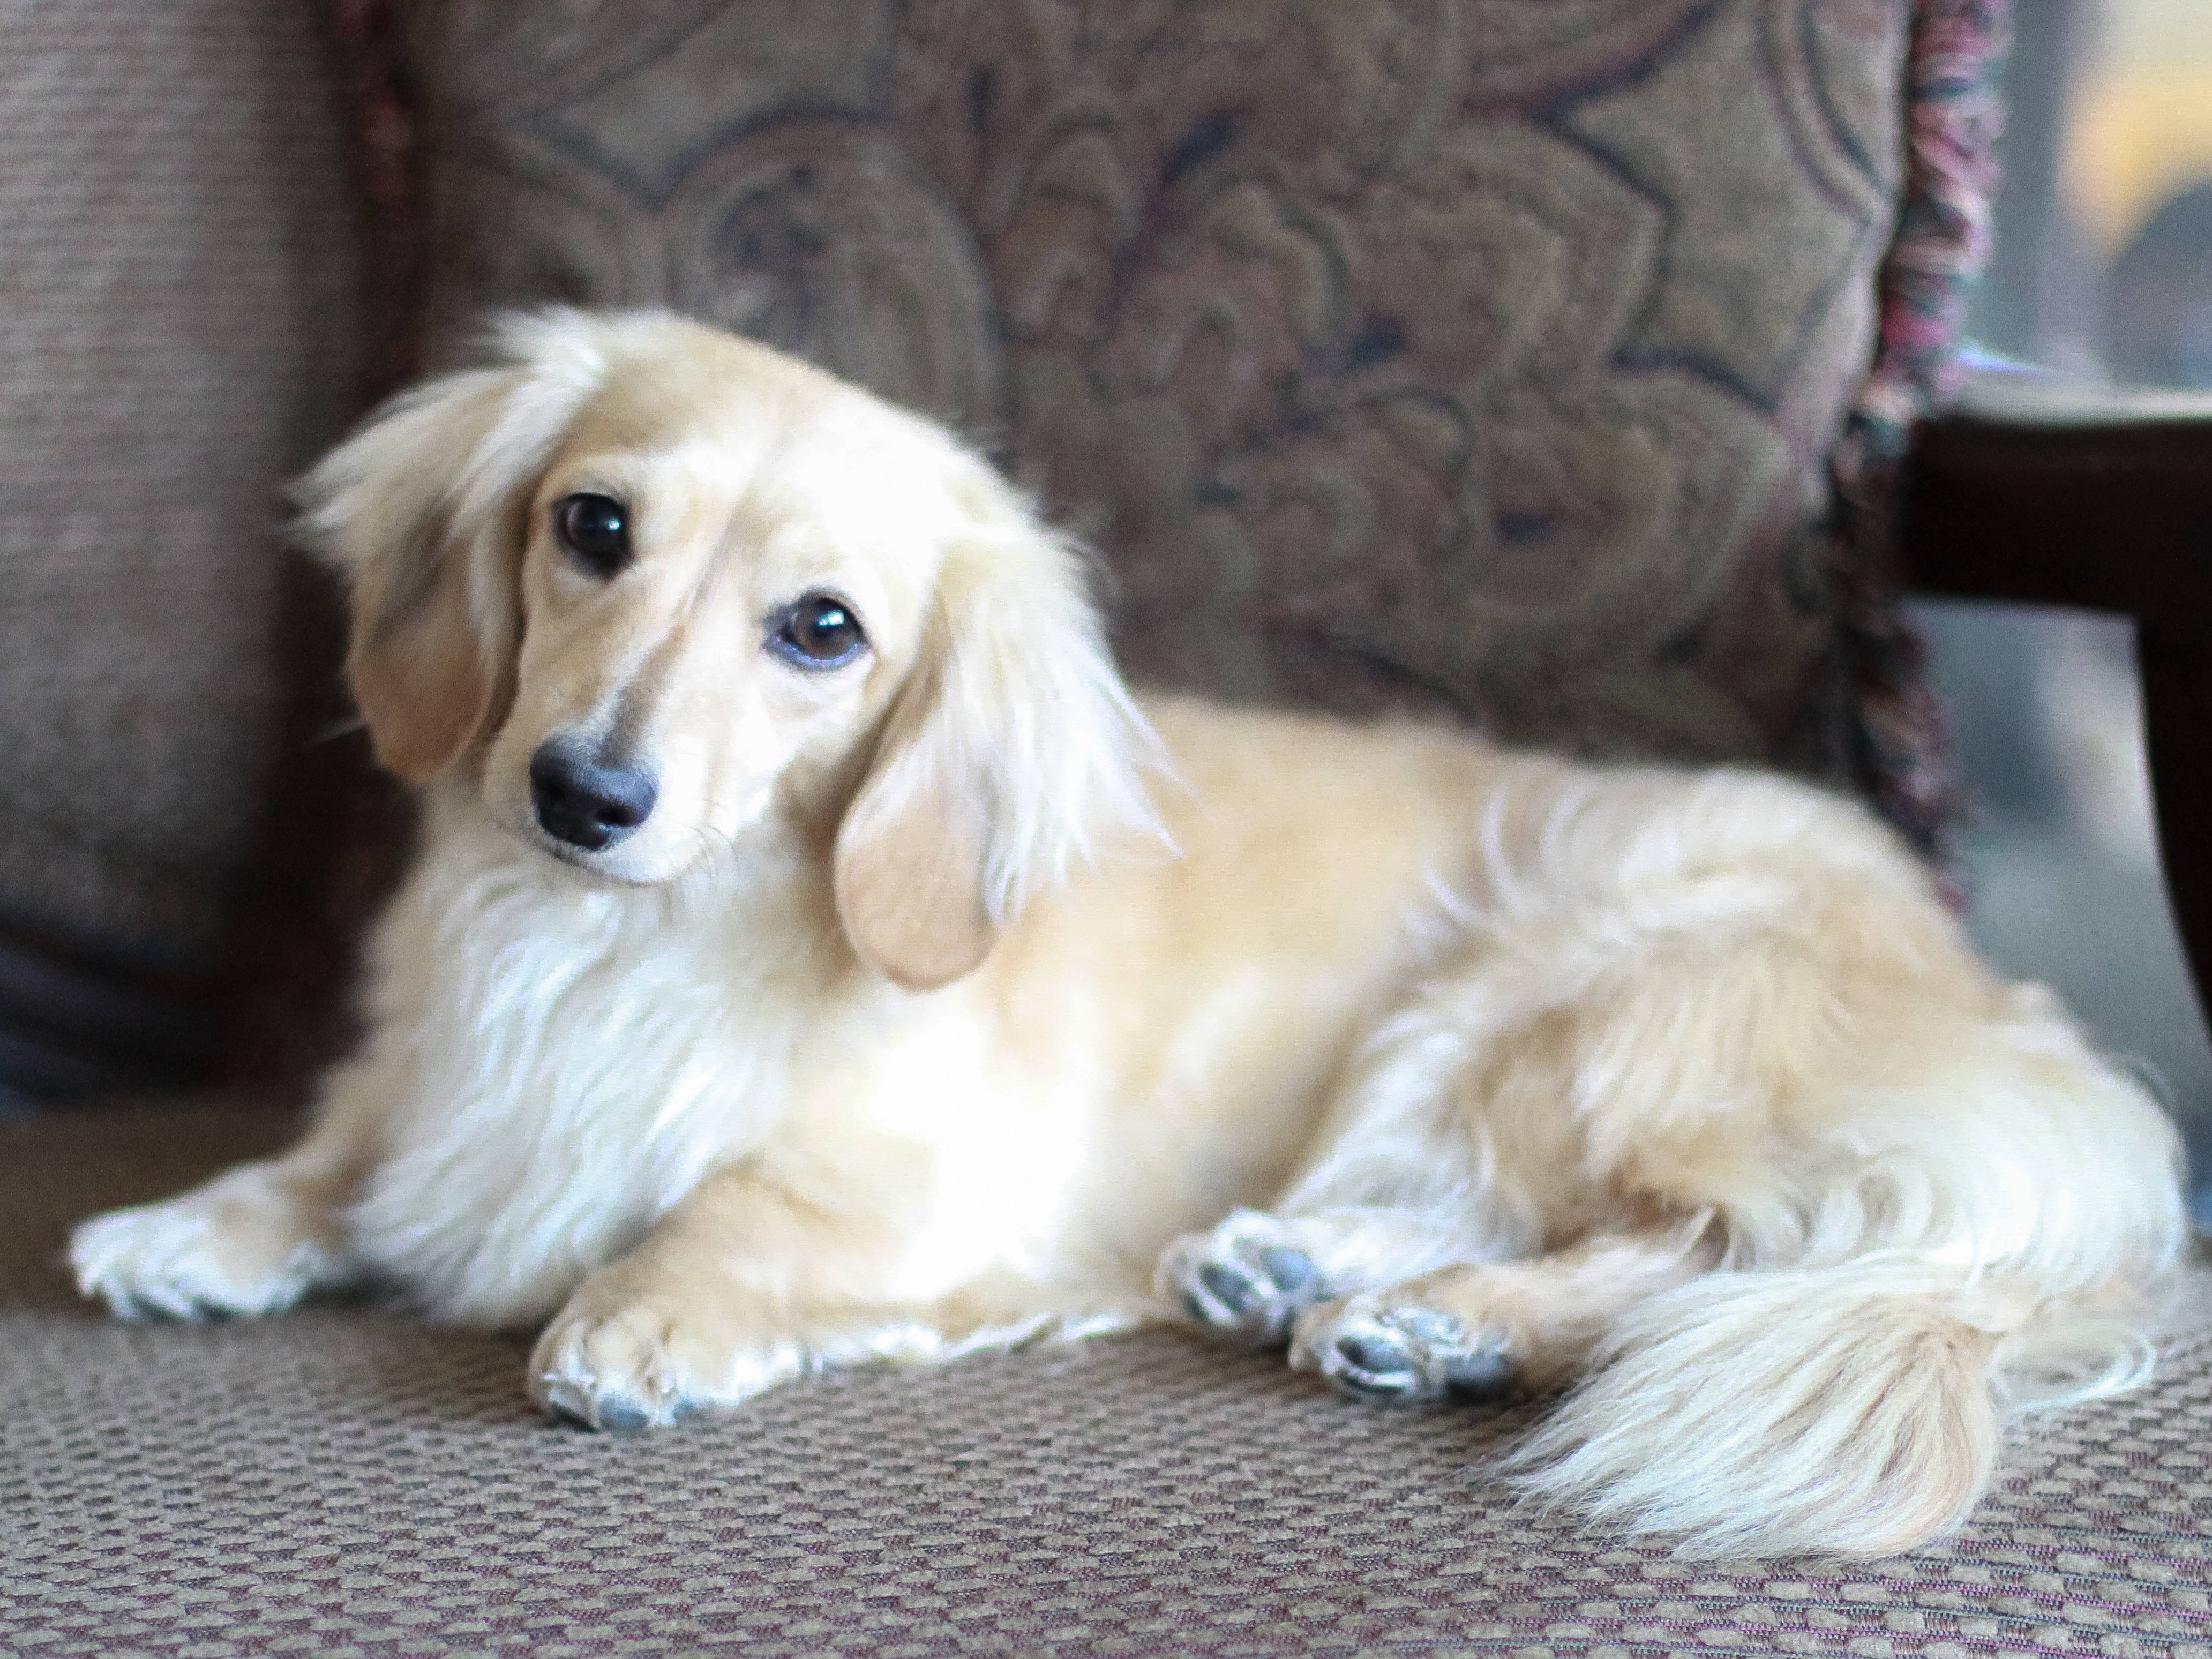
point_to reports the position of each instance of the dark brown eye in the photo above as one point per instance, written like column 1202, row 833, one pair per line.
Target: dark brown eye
column 596, row 529
column 820, row 631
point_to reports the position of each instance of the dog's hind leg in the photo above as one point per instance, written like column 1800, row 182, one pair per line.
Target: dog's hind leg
column 1405, row 1178
column 1484, row 1330
column 1444, row 1146
column 1629, row 1022
column 1443, row 1239
column 1248, row 1279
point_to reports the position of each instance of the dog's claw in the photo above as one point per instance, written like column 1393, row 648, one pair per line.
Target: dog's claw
column 608, row 1414
column 1375, row 1357
column 1233, row 1290
column 620, row 1416
column 1291, row 1270
column 1372, row 1369
column 1472, row 1378
column 564, row 1408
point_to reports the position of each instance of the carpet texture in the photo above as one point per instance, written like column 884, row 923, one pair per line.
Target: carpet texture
column 347, row 1481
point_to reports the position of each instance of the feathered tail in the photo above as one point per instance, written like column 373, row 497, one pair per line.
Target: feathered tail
column 1853, row 1408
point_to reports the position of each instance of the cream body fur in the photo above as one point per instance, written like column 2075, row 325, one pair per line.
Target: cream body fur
column 934, row 994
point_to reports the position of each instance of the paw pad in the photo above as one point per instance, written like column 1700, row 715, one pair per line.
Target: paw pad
column 1403, row 1356
column 1239, row 1284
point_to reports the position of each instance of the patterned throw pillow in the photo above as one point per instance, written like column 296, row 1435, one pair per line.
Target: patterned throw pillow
column 1482, row 358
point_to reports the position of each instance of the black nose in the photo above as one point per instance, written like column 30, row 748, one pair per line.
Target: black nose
column 586, row 805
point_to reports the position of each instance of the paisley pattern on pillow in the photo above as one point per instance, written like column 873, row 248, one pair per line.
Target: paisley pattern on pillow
column 1477, row 357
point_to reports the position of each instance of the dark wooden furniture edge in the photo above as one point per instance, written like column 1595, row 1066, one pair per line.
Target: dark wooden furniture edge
column 2106, row 508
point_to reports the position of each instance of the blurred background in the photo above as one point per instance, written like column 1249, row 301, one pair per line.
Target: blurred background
column 2103, row 272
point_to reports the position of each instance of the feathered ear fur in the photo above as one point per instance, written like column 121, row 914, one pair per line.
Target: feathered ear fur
column 421, row 510
column 1012, row 750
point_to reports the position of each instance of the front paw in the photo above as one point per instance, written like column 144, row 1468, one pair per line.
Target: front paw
column 634, row 1350
column 610, row 1362
column 242, row 1244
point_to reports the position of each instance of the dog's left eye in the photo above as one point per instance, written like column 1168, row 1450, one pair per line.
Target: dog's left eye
column 596, row 529
column 820, row 631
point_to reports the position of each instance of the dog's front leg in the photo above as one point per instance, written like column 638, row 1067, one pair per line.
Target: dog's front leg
column 743, row 1286
column 254, row 1240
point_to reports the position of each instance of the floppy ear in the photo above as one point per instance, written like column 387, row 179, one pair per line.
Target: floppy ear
column 421, row 510
column 1012, row 750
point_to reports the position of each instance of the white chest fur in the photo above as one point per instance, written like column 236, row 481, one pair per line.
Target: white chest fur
column 555, row 1064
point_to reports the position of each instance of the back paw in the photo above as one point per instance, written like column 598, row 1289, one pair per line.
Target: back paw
column 1399, row 1355
column 1245, row 1281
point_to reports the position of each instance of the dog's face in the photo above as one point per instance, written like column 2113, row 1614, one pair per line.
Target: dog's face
column 647, row 586
column 723, row 578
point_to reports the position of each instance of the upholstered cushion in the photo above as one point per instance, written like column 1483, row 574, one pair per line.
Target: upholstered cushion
column 179, row 270
column 345, row 1480
column 1479, row 356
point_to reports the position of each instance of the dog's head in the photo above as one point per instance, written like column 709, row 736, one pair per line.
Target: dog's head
column 647, row 586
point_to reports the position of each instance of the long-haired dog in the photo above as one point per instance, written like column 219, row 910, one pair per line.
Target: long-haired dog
column 815, row 955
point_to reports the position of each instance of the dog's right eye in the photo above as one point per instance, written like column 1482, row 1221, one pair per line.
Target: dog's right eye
column 596, row 529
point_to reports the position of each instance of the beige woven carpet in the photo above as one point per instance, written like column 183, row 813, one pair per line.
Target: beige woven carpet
column 344, row 1482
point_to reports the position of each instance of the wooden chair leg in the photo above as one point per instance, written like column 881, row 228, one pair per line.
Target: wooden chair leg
column 2175, row 659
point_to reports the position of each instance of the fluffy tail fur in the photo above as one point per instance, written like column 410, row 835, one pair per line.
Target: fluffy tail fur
column 1936, row 1207
column 1854, row 1407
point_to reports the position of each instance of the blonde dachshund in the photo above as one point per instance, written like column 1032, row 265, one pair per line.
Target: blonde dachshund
column 815, row 955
